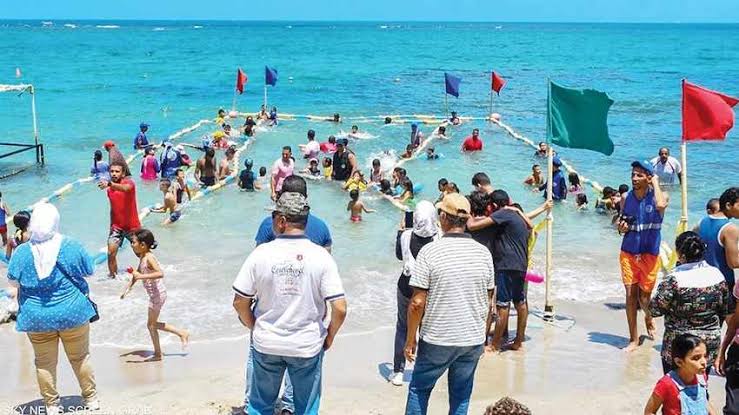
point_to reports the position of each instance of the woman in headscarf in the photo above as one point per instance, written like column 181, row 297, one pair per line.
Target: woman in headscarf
column 49, row 272
column 408, row 243
column 694, row 298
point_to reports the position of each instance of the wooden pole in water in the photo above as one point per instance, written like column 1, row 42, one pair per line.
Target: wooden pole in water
column 548, row 307
column 446, row 105
column 684, row 184
column 491, row 104
column 265, row 96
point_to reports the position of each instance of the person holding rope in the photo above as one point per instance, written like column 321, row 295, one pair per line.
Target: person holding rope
column 640, row 223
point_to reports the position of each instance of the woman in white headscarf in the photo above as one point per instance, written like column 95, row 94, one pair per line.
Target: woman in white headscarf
column 49, row 272
column 408, row 243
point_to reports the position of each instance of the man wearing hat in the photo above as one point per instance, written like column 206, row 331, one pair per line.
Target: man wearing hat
column 141, row 142
column 640, row 223
column 294, row 280
column 453, row 284
column 559, row 184
column 116, row 157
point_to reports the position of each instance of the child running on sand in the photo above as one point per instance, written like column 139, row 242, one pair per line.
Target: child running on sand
column 151, row 276
column 4, row 213
column 22, row 235
column 683, row 391
column 356, row 207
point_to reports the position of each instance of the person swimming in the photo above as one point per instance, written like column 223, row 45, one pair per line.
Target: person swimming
column 431, row 154
column 388, row 120
column 454, row 119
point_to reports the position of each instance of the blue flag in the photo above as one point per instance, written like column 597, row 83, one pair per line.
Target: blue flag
column 270, row 76
column 452, row 84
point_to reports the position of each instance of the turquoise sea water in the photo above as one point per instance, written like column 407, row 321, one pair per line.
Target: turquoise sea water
column 97, row 83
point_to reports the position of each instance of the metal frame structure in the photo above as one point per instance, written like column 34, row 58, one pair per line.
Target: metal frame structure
column 22, row 147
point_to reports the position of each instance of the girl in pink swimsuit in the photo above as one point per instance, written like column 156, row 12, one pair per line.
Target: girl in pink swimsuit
column 151, row 276
column 149, row 165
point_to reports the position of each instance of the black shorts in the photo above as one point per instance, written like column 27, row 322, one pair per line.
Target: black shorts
column 208, row 181
column 511, row 286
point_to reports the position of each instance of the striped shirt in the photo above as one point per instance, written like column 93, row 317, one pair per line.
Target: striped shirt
column 458, row 273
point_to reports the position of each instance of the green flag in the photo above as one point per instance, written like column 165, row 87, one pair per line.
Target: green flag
column 578, row 118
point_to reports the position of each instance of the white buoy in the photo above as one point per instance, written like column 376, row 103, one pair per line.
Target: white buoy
column 495, row 116
column 233, row 114
column 289, row 78
column 397, row 79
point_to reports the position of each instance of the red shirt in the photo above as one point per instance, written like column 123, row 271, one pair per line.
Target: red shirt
column 667, row 390
column 471, row 144
column 124, row 214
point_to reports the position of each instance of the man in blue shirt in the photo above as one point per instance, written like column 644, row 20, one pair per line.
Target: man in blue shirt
column 559, row 185
column 141, row 141
column 316, row 230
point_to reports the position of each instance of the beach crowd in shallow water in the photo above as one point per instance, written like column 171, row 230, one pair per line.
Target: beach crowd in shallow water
column 464, row 261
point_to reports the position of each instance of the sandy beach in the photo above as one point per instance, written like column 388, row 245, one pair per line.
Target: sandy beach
column 567, row 368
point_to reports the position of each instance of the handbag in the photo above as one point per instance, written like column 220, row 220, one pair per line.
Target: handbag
column 95, row 317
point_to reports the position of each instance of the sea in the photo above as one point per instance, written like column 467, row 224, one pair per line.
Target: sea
column 97, row 80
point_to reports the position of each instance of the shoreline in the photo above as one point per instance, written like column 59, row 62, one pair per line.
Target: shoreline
column 560, row 371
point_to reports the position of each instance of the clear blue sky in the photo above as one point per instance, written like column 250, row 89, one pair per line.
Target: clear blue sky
column 710, row 11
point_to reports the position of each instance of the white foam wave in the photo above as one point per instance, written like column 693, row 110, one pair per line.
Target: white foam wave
column 70, row 26
column 159, row 29
column 197, row 27
column 107, row 26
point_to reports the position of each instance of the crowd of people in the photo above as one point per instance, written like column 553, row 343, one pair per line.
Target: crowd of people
column 465, row 262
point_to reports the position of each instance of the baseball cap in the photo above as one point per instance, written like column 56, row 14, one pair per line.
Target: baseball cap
column 644, row 165
column 292, row 204
column 556, row 162
column 455, row 204
column 108, row 144
column 143, row 125
column 248, row 162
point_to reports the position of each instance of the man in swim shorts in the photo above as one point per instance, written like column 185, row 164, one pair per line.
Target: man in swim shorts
column 640, row 223
column 124, row 213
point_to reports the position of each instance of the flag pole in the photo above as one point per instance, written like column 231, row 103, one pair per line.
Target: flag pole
column 491, row 103
column 446, row 105
column 548, row 307
column 265, row 95
column 233, row 103
column 684, row 184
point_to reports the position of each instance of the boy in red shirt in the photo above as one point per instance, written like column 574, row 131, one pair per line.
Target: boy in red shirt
column 124, row 214
column 473, row 142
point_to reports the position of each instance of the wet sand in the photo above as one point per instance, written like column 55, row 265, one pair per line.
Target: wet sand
column 574, row 366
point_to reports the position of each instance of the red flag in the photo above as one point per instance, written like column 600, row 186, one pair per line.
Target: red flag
column 241, row 80
column 707, row 115
column 497, row 83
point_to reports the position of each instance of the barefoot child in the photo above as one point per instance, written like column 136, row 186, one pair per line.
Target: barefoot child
column 151, row 276
column 169, row 205
column 356, row 207
column 683, row 391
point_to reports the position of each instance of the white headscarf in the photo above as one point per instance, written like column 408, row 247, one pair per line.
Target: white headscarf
column 45, row 238
column 425, row 219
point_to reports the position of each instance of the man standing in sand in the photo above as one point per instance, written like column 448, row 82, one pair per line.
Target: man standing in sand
column 294, row 280
column 124, row 213
column 281, row 168
column 453, row 284
column 640, row 223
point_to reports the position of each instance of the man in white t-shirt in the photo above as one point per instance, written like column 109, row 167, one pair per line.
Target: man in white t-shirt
column 453, row 282
column 312, row 148
column 294, row 279
column 667, row 168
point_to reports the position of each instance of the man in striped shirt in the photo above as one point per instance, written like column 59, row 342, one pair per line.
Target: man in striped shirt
column 453, row 284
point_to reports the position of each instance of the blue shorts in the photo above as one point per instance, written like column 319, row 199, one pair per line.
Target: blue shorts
column 511, row 286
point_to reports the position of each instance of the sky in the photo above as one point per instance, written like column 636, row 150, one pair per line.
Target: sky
column 642, row 11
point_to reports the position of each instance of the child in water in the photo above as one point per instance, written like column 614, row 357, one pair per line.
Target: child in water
column 431, row 154
column 149, row 165
column 246, row 178
column 327, row 167
column 407, row 195
column 100, row 169
column 4, row 213
column 262, row 180
column 356, row 207
column 21, row 235
column 582, row 201
column 683, row 390
column 386, row 187
column 152, row 277
column 376, row 175
column 169, row 205
column 575, row 186
column 312, row 168
column 356, row 182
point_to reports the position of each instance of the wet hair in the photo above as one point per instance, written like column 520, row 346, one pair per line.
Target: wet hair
column 226, row 126
column 230, row 150
column 690, row 246
column 97, row 157
column 388, row 120
column 376, row 162
column 178, row 171
column 728, row 197
column 443, row 182
column 327, row 162
column 288, row 148
column 210, row 153
column 22, row 219
column 165, row 181
column 683, row 344
column 517, row 206
column 409, row 147
column 295, row 184
column 262, row 171
column 608, row 191
column 431, row 149
column 354, row 127
column 337, row 117
column 500, row 198
column 442, row 129
column 385, row 185
column 479, row 202
column 221, row 111
column 453, row 187
column 713, row 206
column 331, row 139
column 402, row 172
column 480, row 179
column 146, row 237
column 407, row 185
column 534, row 166
column 354, row 194
column 507, row 406
column 623, row 188
column 574, row 179
column 311, row 134
column 581, row 199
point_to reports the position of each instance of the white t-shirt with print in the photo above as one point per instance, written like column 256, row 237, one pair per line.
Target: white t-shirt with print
column 667, row 172
column 292, row 278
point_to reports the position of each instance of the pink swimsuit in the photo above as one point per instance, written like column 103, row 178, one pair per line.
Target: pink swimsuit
column 155, row 288
column 149, row 168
